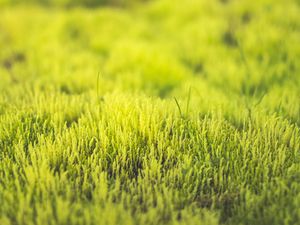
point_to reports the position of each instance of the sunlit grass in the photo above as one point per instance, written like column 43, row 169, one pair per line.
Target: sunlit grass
column 161, row 112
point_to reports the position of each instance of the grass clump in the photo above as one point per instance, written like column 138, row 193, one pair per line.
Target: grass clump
column 160, row 113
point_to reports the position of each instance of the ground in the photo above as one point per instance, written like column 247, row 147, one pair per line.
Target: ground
column 153, row 112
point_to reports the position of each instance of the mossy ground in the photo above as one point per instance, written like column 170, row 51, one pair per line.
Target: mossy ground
column 163, row 112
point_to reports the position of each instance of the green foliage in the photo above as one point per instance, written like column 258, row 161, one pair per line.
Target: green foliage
column 169, row 112
column 72, row 3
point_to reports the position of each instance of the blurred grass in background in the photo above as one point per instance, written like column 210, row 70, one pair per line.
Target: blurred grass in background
column 72, row 3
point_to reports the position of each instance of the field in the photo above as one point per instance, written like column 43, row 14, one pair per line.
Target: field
column 150, row 112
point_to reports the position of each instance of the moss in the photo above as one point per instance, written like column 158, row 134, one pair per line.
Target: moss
column 163, row 112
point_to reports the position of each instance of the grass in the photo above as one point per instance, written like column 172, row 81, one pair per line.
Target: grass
column 160, row 112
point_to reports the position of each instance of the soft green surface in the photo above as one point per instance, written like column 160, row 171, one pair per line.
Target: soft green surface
column 169, row 112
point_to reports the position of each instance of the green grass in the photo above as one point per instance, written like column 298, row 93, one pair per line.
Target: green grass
column 162, row 112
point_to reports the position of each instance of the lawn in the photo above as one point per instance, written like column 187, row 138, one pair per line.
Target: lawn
column 149, row 112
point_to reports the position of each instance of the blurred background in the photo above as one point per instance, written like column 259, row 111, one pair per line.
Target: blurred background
column 72, row 3
column 223, row 48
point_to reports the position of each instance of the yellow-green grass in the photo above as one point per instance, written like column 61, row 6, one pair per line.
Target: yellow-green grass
column 161, row 112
